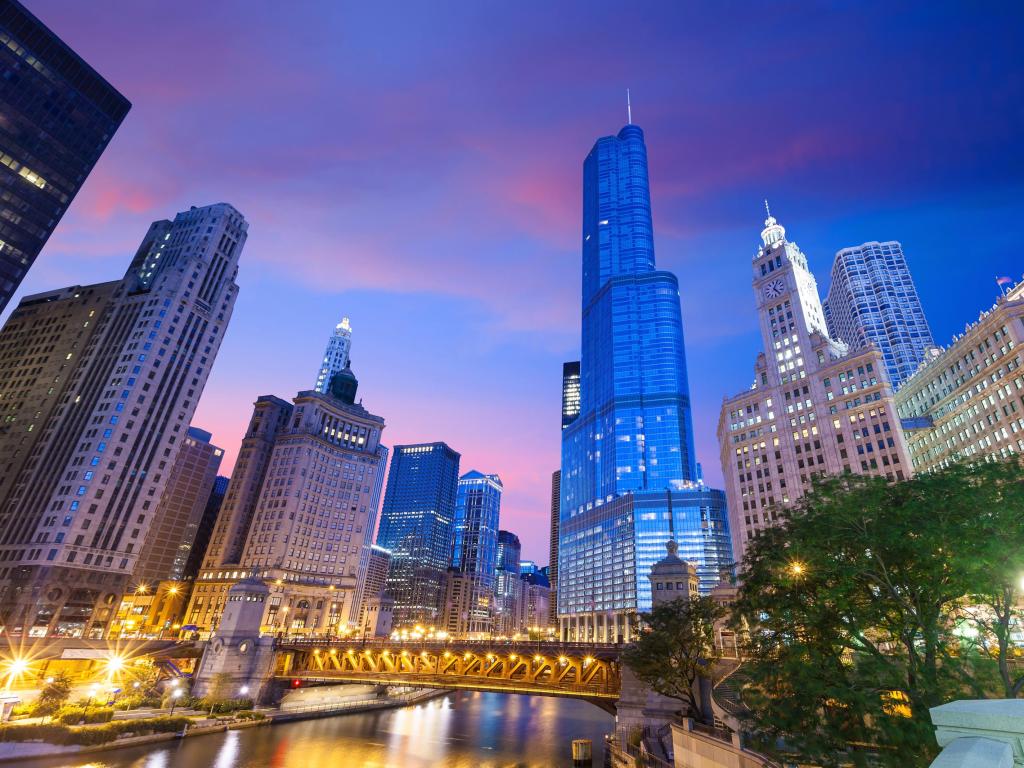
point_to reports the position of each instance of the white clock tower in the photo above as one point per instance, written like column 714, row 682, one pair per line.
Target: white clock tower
column 813, row 408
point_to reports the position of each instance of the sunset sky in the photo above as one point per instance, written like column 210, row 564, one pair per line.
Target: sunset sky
column 417, row 167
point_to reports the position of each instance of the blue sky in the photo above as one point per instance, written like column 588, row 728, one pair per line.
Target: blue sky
column 417, row 168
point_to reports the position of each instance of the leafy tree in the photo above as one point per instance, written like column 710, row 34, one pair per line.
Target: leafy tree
column 849, row 605
column 53, row 696
column 996, row 563
column 675, row 647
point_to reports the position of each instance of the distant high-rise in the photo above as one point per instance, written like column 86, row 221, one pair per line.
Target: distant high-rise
column 474, row 549
column 629, row 479
column 58, row 117
column 205, row 529
column 300, row 500
column 815, row 407
column 872, row 300
column 417, row 527
column 507, row 587
column 336, row 356
column 180, row 510
column 570, row 392
column 556, row 496
column 91, row 458
column 377, row 563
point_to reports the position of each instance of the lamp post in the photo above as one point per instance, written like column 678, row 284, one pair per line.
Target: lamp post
column 174, row 699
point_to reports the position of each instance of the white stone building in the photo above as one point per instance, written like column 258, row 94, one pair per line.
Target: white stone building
column 813, row 407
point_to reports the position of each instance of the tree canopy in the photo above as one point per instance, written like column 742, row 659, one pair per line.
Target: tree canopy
column 675, row 646
column 866, row 606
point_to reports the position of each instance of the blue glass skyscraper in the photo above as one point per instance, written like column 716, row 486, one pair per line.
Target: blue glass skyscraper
column 629, row 477
column 416, row 526
column 475, row 547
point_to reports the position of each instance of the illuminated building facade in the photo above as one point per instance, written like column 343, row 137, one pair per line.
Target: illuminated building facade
column 872, row 300
column 474, row 552
column 629, row 478
column 967, row 401
column 306, row 526
column 416, row 526
column 814, row 407
column 570, row 392
column 91, row 472
column 336, row 355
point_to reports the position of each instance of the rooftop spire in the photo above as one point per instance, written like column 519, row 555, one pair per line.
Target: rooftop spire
column 766, row 208
column 629, row 109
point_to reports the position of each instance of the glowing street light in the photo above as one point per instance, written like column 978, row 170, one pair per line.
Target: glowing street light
column 13, row 669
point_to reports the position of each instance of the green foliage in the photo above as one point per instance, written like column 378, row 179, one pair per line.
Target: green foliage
column 223, row 705
column 53, row 733
column 248, row 714
column 220, row 687
column 88, row 715
column 675, row 646
column 52, row 697
column 850, row 608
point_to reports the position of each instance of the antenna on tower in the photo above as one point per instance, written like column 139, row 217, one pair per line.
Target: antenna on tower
column 766, row 208
column 629, row 109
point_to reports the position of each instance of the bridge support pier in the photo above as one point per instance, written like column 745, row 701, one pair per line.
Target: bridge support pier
column 639, row 706
column 237, row 658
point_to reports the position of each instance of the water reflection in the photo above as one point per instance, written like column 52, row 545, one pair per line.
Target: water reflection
column 461, row 730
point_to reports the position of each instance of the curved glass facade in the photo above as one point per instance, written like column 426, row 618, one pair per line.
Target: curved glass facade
column 629, row 476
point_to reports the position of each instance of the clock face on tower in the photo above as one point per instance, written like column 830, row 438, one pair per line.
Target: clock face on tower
column 774, row 289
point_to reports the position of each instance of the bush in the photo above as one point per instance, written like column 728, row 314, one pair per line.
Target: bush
column 53, row 733
column 223, row 705
column 48, row 732
column 248, row 714
column 76, row 715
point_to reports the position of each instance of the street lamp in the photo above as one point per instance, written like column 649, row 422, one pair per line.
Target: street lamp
column 174, row 698
column 16, row 667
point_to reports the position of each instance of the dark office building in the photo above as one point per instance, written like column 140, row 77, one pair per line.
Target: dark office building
column 58, row 116
column 570, row 392
column 206, row 523
column 417, row 526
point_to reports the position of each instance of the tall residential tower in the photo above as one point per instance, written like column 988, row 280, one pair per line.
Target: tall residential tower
column 629, row 478
column 872, row 300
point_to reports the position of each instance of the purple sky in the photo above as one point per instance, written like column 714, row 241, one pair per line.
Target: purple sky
column 416, row 166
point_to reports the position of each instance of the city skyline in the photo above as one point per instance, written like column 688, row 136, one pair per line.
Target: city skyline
column 504, row 341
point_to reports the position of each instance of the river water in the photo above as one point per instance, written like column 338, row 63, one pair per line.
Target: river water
column 460, row 730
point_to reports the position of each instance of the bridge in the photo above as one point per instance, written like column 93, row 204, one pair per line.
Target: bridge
column 581, row 670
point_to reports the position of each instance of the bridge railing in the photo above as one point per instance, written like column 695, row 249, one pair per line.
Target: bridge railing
column 552, row 647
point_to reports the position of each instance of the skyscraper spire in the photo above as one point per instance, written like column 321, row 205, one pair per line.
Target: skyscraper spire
column 766, row 208
column 629, row 109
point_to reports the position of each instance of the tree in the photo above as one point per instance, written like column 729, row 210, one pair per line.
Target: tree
column 53, row 696
column 996, row 562
column 675, row 647
column 849, row 604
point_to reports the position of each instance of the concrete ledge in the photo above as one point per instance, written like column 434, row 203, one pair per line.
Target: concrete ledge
column 975, row 752
column 996, row 721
